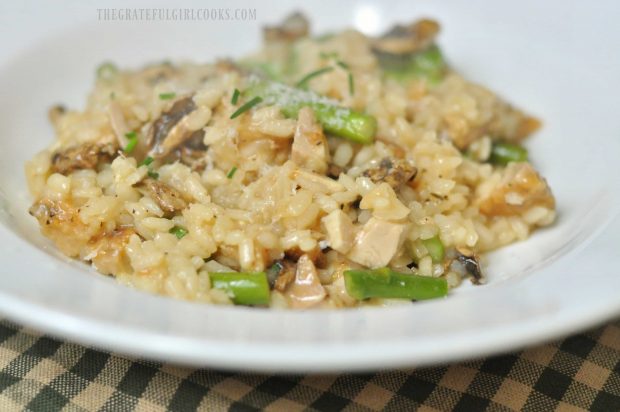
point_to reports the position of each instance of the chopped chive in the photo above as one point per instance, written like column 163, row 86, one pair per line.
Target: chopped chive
column 232, row 172
column 342, row 64
column 153, row 175
column 303, row 82
column 247, row 106
column 179, row 232
column 351, row 84
column 235, row 96
column 146, row 161
column 167, row 96
column 132, row 143
column 112, row 96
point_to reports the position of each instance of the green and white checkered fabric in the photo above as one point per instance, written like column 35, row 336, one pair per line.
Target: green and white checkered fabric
column 39, row 373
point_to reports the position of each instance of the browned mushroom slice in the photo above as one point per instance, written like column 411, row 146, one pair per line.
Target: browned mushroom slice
column 294, row 27
column 168, row 198
column 394, row 172
column 107, row 251
column 407, row 39
column 285, row 276
column 316, row 255
column 168, row 132
column 60, row 222
column 191, row 152
column 84, row 156
column 466, row 263
column 117, row 121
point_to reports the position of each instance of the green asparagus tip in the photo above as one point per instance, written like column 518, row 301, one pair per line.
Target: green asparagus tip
column 435, row 249
column 387, row 284
column 503, row 153
column 244, row 288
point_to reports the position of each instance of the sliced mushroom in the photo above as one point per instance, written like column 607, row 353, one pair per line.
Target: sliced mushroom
column 169, row 132
column 404, row 40
column 60, row 221
column 316, row 255
column 117, row 121
column 168, row 198
column 294, row 26
column 107, row 251
column 306, row 290
column 285, row 276
column 192, row 152
column 466, row 263
column 394, row 172
column 84, row 156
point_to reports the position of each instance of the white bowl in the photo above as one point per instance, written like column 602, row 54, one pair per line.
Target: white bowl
column 558, row 60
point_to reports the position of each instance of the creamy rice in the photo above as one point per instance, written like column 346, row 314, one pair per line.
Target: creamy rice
column 245, row 193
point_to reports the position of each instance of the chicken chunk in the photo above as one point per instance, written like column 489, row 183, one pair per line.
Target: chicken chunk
column 377, row 243
column 520, row 189
column 306, row 290
column 309, row 149
column 168, row 198
column 315, row 182
column 340, row 231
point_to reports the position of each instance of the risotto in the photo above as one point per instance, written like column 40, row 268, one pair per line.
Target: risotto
column 321, row 172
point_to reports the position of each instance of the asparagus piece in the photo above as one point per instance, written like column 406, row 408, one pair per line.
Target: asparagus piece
column 426, row 64
column 244, row 288
column 503, row 153
column 385, row 283
column 435, row 249
column 337, row 120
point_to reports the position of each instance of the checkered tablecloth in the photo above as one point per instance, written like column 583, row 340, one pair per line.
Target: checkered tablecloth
column 39, row 373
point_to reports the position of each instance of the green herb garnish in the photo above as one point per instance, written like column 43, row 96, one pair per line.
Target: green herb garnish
column 342, row 64
column 146, row 161
column 351, row 84
column 153, row 175
column 131, row 144
column 179, row 232
column 247, row 106
column 167, row 96
column 304, row 81
column 235, row 96
column 232, row 172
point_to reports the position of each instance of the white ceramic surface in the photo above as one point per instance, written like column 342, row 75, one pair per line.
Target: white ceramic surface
column 557, row 60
